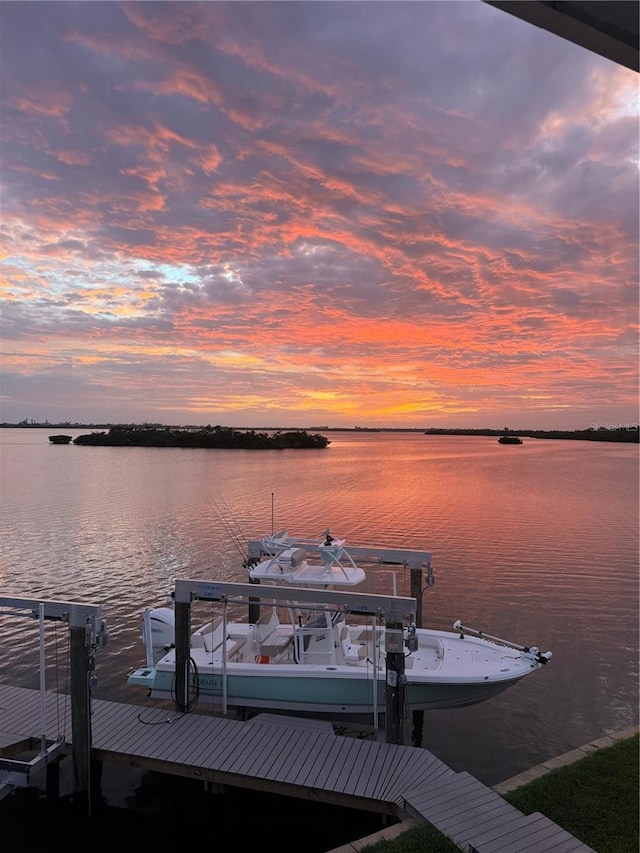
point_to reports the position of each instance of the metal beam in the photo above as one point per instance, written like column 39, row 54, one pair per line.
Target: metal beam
column 63, row 611
column 26, row 767
column 389, row 556
column 392, row 608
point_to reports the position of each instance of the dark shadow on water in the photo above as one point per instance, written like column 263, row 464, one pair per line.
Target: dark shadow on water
column 162, row 809
column 417, row 731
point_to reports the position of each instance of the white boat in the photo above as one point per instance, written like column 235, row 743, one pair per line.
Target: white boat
column 284, row 560
column 316, row 646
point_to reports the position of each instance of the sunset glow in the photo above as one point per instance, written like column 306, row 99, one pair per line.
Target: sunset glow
column 400, row 214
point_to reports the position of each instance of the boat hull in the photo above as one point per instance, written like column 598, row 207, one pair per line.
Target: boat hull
column 320, row 691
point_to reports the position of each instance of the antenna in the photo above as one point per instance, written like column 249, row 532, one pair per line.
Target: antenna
column 272, row 527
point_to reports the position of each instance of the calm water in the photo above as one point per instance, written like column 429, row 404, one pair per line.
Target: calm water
column 537, row 543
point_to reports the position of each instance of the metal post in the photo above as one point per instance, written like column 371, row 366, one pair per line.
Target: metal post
column 183, row 633
column 224, row 656
column 416, row 592
column 375, row 673
column 254, row 605
column 43, row 696
column 80, row 668
column 395, row 687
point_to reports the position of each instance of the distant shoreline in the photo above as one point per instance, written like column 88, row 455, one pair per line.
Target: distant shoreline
column 628, row 433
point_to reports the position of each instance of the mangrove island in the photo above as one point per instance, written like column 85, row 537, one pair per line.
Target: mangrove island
column 216, row 437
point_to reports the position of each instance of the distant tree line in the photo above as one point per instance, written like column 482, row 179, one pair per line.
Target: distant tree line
column 628, row 433
column 217, row 437
column 622, row 432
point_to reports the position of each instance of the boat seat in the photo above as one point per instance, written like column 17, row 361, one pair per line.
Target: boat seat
column 209, row 636
column 365, row 633
column 353, row 652
column 233, row 646
column 213, row 640
column 275, row 645
column 265, row 626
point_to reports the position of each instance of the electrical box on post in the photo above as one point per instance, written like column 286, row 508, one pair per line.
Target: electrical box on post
column 393, row 640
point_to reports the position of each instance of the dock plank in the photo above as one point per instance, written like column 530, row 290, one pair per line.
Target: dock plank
column 339, row 772
column 265, row 753
column 381, row 758
column 354, row 778
column 302, row 755
column 518, row 836
column 515, row 841
column 301, row 774
column 367, row 767
column 472, row 809
column 542, row 835
column 126, row 732
column 477, row 823
column 392, row 765
column 190, row 736
column 479, row 816
column 413, row 763
column 288, row 755
column 316, row 775
column 249, row 753
column 430, row 770
column 225, row 745
column 11, row 743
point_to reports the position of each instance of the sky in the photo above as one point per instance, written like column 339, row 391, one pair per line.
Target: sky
column 300, row 214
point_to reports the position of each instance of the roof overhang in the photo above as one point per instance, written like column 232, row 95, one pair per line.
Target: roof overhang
column 609, row 28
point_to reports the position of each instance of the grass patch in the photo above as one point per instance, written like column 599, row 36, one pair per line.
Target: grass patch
column 596, row 800
column 418, row 839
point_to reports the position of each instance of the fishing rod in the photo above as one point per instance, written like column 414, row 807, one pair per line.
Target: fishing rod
column 234, row 535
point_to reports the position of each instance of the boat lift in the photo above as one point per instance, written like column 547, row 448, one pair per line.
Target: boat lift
column 88, row 632
column 418, row 562
column 396, row 611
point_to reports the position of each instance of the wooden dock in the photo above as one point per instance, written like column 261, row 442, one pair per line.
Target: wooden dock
column 293, row 758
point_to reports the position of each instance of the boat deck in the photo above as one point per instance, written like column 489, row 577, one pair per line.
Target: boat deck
column 297, row 758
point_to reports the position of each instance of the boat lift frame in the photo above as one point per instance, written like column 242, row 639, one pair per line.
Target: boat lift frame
column 394, row 610
column 391, row 608
column 87, row 634
column 418, row 562
column 412, row 559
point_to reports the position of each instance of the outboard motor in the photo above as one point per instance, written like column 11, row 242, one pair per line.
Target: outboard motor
column 158, row 632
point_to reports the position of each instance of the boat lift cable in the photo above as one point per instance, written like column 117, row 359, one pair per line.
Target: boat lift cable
column 374, row 683
column 43, row 688
column 224, row 656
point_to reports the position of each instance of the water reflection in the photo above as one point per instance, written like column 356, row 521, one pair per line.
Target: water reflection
column 538, row 545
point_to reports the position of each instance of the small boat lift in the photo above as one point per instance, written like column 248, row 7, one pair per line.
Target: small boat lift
column 87, row 634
